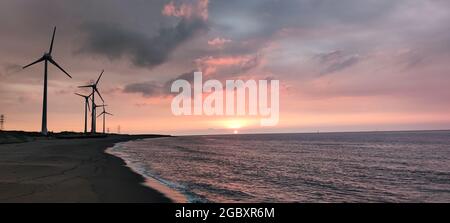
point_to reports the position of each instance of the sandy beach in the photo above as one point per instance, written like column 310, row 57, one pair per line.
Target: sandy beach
column 70, row 170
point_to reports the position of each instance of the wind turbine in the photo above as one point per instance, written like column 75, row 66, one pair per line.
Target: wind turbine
column 104, row 113
column 86, row 108
column 94, row 106
column 47, row 57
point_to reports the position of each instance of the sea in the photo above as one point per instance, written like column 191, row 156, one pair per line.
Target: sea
column 285, row 168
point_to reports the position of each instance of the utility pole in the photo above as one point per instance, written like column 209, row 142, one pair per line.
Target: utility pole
column 2, row 121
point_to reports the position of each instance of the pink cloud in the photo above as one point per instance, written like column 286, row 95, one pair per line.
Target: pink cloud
column 187, row 9
column 225, row 61
column 218, row 42
column 211, row 65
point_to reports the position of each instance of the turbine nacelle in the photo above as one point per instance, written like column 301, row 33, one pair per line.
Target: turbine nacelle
column 94, row 86
column 96, row 106
column 47, row 56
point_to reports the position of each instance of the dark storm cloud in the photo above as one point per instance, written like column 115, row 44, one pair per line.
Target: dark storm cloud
column 115, row 42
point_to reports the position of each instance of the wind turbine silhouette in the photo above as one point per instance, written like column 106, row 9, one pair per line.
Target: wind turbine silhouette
column 86, row 108
column 94, row 106
column 104, row 113
column 47, row 57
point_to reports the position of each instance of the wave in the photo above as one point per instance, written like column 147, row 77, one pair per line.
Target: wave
column 170, row 189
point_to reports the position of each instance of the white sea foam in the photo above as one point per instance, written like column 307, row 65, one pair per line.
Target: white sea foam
column 163, row 186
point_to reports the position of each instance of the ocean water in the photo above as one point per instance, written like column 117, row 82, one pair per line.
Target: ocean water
column 325, row 167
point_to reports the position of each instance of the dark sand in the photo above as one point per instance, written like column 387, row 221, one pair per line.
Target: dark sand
column 70, row 170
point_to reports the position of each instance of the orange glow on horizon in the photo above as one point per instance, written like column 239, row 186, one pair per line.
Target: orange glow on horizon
column 235, row 123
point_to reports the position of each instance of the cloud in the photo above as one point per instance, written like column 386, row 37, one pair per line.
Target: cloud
column 252, row 18
column 219, row 67
column 151, row 89
column 115, row 42
column 11, row 68
column 226, row 65
column 147, row 89
column 336, row 61
column 218, row 42
column 187, row 9
column 188, row 76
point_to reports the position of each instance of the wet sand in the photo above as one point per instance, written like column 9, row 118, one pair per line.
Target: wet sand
column 70, row 170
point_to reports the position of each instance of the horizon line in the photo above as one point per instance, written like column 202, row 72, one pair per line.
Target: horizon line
column 249, row 133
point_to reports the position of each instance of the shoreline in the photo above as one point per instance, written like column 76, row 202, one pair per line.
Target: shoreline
column 151, row 182
column 72, row 170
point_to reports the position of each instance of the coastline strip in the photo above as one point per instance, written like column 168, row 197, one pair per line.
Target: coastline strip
column 71, row 170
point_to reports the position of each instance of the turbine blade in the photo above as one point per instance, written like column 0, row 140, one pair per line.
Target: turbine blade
column 35, row 62
column 89, row 107
column 86, row 86
column 54, row 63
column 108, row 113
column 100, row 115
column 99, row 94
column 99, row 77
column 51, row 44
column 80, row 95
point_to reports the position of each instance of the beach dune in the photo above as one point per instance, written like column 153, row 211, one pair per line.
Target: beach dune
column 70, row 170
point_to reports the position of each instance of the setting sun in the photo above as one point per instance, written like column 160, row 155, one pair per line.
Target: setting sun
column 235, row 124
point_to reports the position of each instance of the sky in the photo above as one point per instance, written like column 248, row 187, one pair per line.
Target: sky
column 348, row 65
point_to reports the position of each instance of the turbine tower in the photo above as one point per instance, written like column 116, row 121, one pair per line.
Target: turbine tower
column 86, row 108
column 94, row 106
column 47, row 57
column 104, row 113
